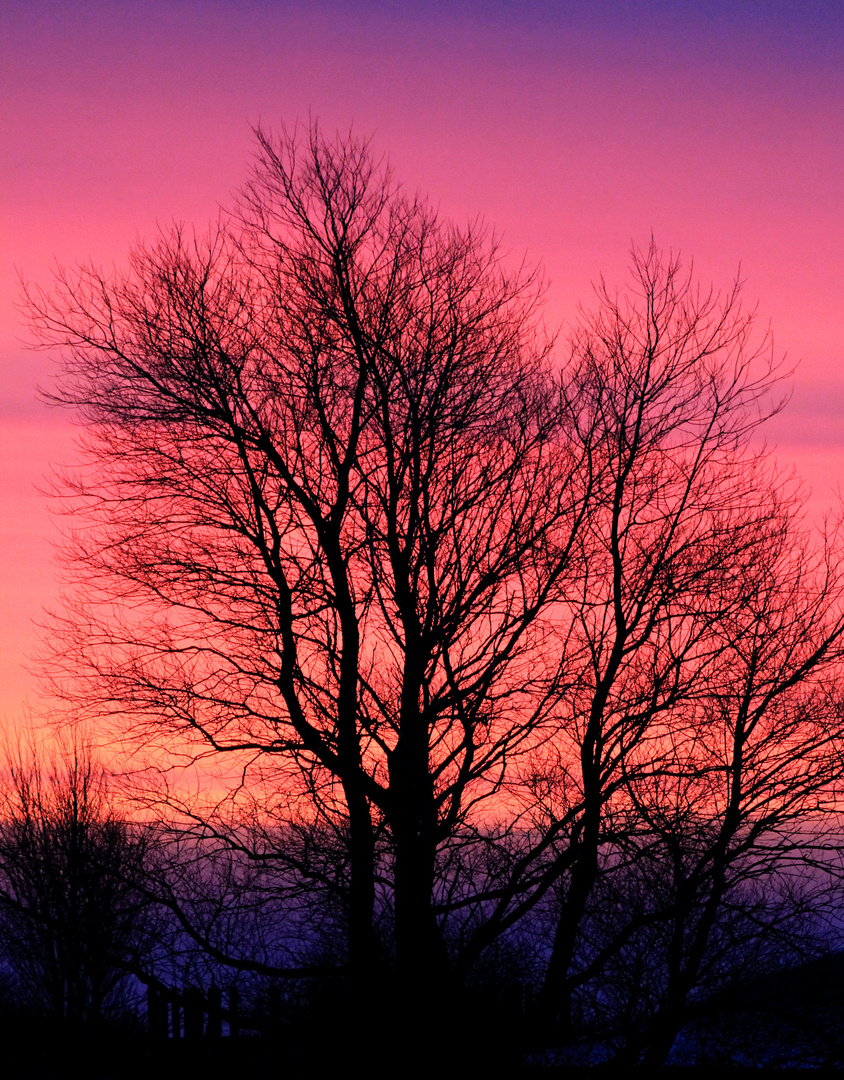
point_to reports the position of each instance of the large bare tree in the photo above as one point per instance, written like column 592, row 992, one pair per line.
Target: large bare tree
column 459, row 628
column 329, row 497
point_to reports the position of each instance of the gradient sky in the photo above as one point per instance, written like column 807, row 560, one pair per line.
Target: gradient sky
column 575, row 128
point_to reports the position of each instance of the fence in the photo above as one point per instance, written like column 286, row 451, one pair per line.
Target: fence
column 193, row 1016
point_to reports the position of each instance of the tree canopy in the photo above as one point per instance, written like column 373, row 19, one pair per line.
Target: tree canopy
column 491, row 628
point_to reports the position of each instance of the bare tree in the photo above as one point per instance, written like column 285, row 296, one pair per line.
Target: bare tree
column 665, row 387
column 457, row 627
column 677, row 382
column 71, row 915
column 331, row 498
column 747, row 796
column 703, row 655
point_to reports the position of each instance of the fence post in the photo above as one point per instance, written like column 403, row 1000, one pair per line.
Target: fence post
column 176, row 1017
column 275, row 1009
column 234, row 1012
column 215, row 1013
column 193, row 1013
column 154, row 1017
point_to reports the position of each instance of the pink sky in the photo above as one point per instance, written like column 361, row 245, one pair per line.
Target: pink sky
column 574, row 128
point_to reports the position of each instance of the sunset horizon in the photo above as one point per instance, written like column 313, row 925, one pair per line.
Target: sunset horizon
column 422, row 528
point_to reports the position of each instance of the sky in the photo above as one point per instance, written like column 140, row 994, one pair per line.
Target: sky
column 575, row 129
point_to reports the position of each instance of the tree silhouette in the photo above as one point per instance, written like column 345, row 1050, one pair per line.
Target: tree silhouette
column 71, row 915
column 466, row 630
column 702, row 721
column 334, row 498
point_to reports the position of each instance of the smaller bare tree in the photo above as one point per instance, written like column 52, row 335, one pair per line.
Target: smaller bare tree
column 70, row 916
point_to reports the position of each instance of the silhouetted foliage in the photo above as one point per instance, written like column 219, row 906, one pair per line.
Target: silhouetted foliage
column 502, row 662
column 703, row 717
column 72, row 919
